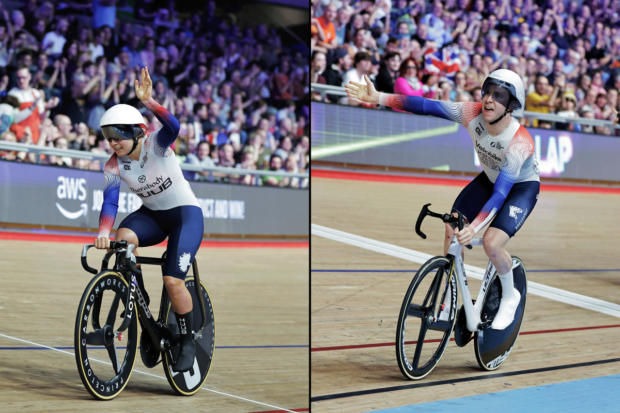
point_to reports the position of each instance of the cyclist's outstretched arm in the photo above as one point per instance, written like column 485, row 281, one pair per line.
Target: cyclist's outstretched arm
column 521, row 147
column 461, row 113
column 111, row 192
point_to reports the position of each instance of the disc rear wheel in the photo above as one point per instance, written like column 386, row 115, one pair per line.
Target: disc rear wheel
column 493, row 347
column 189, row 382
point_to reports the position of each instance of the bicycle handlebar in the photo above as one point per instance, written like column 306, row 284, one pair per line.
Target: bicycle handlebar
column 84, row 262
column 449, row 219
column 113, row 246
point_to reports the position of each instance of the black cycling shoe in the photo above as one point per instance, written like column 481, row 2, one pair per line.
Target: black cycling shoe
column 185, row 360
column 187, row 352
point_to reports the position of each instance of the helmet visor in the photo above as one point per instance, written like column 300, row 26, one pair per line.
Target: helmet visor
column 499, row 93
column 121, row 132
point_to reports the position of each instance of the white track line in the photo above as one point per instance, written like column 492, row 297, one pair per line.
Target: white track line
column 541, row 290
column 148, row 374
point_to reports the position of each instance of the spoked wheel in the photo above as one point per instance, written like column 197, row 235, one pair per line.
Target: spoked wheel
column 189, row 382
column 493, row 347
column 428, row 313
column 104, row 367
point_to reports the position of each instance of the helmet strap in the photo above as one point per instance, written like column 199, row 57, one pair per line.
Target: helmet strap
column 496, row 120
column 135, row 143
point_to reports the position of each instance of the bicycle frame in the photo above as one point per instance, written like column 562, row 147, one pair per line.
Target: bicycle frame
column 126, row 267
column 472, row 311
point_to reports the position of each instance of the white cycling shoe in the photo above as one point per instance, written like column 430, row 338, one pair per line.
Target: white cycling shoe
column 506, row 313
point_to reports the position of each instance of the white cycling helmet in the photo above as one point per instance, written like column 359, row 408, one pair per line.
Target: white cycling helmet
column 514, row 84
column 122, row 122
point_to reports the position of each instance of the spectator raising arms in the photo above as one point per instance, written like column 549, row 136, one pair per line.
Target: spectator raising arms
column 555, row 47
column 226, row 84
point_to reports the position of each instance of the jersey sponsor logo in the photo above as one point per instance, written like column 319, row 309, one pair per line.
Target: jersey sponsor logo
column 144, row 159
column 184, row 261
column 497, row 145
column 514, row 211
column 488, row 158
column 157, row 187
column 127, row 167
column 479, row 129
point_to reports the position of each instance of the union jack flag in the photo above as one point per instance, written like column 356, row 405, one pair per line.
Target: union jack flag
column 445, row 61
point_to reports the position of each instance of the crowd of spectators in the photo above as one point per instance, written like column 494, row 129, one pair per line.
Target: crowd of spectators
column 241, row 97
column 566, row 52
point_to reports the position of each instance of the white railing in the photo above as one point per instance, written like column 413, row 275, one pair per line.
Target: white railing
column 23, row 147
column 340, row 91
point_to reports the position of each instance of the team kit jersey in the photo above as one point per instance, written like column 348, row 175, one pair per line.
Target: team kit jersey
column 508, row 160
column 170, row 207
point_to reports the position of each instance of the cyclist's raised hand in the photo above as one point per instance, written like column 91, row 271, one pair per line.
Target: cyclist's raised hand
column 102, row 243
column 465, row 235
column 144, row 86
column 364, row 92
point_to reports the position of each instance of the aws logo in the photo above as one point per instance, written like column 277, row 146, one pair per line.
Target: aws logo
column 72, row 188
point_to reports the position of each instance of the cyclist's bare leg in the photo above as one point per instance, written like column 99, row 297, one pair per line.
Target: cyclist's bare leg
column 125, row 234
column 179, row 296
column 494, row 242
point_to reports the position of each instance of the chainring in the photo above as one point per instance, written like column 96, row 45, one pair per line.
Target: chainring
column 462, row 335
column 148, row 352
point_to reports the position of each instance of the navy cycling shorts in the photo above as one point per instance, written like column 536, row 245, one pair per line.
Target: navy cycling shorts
column 184, row 227
column 518, row 205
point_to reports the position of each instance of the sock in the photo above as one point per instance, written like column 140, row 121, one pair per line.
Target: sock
column 507, row 284
column 187, row 352
column 185, row 322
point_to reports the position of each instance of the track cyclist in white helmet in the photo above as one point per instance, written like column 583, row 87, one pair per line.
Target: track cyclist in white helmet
column 505, row 193
column 146, row 163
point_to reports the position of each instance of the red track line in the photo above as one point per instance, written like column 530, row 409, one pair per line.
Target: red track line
column 277, row 411
column 357, row 176
column 79, row 239
column 564, row 330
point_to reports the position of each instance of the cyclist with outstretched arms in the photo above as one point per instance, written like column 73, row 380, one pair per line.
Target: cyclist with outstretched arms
column 146, row 163
column 505, row 193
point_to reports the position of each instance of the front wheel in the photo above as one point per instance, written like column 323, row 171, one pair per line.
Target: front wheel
column 429, row 313
column 189, row 382
column 104, row 380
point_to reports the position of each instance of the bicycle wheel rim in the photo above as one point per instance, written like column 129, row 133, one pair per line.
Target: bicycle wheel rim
column 100, row 388
column 418, row 357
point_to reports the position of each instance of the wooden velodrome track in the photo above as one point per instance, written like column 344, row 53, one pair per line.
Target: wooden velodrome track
column 356, row 294
column 260, row 298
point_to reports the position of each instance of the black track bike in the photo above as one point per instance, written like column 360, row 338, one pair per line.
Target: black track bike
column 116, row 291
